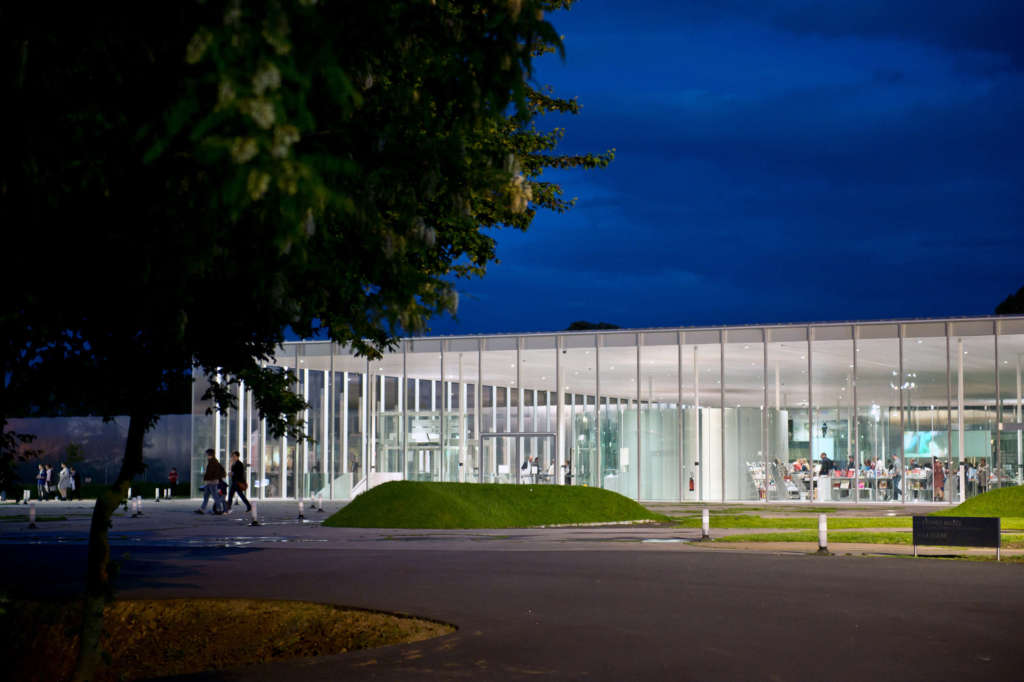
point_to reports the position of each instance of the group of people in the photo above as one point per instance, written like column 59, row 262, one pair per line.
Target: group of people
column 61, row 485
column 215, row 484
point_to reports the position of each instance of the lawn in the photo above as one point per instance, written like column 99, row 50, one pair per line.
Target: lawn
column 150, row 638
column 1010, row 541
column 749, row 521
column 407, row 504
column 1003, row 502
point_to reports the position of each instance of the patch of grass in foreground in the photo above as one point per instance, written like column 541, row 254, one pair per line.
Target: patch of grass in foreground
column 1010, row 541
column 408, row 504
column 999, row 502
column 150, row 638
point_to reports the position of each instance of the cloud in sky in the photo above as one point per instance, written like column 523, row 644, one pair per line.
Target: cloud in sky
column 777, row 161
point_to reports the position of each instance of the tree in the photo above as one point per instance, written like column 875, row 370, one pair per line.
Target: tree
column 202, row 175
column 1012, row 304
column 580, row 325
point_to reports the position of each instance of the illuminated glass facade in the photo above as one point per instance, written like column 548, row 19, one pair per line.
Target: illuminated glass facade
column 745, row 413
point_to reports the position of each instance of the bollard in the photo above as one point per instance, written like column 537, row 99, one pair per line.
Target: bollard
column 32, row 515
column 129, row 493
column 135, row 507
column 300, row 510
column 822, row 534
column 139, row 498
column 705, row 525
column 156, row 494
column 255, row 515
column 320, row 503
column 26, row 497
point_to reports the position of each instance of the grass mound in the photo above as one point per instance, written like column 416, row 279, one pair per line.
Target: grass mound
column 151, row 638
column 998, row 502
column 407, row 504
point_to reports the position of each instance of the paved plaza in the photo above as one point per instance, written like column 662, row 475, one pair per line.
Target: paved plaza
column 596, row 603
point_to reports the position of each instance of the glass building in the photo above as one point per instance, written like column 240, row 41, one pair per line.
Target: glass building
column 905, row 410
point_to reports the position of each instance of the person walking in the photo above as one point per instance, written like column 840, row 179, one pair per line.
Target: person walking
column 41, row 482
column 238, row 484
column 63, row 482
column 213, row 475
column 49, row 481
column 172, row 478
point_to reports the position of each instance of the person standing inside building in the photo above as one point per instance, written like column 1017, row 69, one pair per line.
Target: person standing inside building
column 41, row 482
column 76, row 484
column 938, row 480
column 213, row 475
column 238, row 484
column 49, row 481
column 63, row 482
column 897, row 475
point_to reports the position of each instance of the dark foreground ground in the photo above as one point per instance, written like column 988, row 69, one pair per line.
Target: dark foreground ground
column 582, row 604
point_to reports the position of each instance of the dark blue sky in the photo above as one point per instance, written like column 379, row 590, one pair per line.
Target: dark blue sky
column 777, row 161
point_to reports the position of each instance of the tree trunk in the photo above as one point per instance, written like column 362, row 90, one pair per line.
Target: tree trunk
column 98, row 589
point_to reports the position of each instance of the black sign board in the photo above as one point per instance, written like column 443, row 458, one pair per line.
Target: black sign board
column 956, row 531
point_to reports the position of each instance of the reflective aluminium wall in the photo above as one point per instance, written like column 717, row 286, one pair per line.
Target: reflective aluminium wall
column 892, row 411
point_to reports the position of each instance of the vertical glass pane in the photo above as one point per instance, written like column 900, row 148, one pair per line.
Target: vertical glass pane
column 460, row 439
column 1011, row 363
column 832, row 393
column 745, row 477
column 579, row 376
column 537, row 374
column 659, row 400
column 972, row 360
column 619, row 420
column 880, row 442
column 925, row 418
column 702, row 443
column 499, row 373
column 423, row 438
column 788, row 443
column 203, row 426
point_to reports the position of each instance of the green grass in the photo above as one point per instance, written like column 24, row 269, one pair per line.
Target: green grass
column 407, row 504
column 1004, row 502
column 748, row 521
column 1010, row 541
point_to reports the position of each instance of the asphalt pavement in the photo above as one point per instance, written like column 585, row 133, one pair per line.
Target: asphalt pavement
column 612, row 603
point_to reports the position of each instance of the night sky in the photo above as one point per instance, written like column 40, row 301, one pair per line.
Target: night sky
column 777, row 161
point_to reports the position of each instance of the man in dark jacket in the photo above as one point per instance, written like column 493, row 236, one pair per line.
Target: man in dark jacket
column 238, row 481
column 214, row 474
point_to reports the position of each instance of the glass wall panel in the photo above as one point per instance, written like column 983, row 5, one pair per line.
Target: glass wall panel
column 972, row 361
column 926, row 432
column 744, row 463
column 348, row 465
column 880, row 442
column 386, row 417
column 537, row 376
column 579, row 378
column 423, row 438
column 1011, row 362
column 702, row 422
column 461, row 443
column 315, row 378
column 203, row 428
column 618, row 441
column 499, row 375
column 788, row 443
column 832, row 429
column 660, row 471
